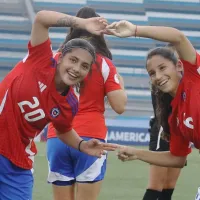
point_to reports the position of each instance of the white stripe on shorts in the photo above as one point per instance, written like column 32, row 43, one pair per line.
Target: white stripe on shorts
column 55, row 176
column 93, row 171
column 159, row 136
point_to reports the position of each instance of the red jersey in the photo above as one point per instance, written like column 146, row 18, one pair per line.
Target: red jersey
column 90, row 121
column 185, row 118
column 29, row 101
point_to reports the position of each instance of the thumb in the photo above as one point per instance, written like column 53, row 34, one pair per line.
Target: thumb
column 111, row 26
column 111, row 32
column 95, row 141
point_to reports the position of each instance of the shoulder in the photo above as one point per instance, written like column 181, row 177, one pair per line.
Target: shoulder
column 104, row 61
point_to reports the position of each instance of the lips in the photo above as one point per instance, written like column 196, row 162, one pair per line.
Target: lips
column 72, row 75
column 161, row 83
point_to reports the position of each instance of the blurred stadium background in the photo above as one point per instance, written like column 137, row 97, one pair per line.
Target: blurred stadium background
column 16, row 17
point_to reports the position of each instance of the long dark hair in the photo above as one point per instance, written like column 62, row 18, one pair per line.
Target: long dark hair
column 163, row 100
column 97, row 41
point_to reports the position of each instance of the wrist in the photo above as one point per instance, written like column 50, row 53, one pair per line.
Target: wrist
column 136, row 153
column 82, row 23
column 80, row 145
column 135, row 30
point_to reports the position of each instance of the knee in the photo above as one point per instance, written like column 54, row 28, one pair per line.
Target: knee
column 157, row 184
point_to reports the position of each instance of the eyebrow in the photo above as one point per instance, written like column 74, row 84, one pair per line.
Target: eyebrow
column 157, row 66
column 81, row 60
column 161, row 64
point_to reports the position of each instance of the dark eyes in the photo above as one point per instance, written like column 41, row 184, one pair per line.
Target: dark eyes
column 86, row 67
column 151, row 74
column 73, row 60
column 162, row 67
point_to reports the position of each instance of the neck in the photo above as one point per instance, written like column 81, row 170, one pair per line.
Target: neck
column 173, row 93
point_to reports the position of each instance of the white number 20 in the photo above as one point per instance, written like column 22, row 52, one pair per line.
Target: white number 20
column 38, row 113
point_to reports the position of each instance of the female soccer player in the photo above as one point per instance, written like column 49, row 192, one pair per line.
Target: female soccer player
column 38, row 91
column 162, row 180
column 70, row 168
column 166, row 73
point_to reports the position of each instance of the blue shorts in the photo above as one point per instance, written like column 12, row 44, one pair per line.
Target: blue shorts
column 15, row 183
column 68, row 165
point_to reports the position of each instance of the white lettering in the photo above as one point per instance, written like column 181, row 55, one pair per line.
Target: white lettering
column 188, row 122
column 38, row 112
column 128, row 136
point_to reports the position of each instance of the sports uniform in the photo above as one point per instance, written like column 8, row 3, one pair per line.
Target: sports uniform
column 28, row 102
column 66, row 164
column 184, row 119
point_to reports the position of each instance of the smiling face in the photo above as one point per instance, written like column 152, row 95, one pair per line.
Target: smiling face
column 73, row 67
column 164, row 74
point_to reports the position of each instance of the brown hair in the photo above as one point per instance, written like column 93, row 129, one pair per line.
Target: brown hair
column 163, row 100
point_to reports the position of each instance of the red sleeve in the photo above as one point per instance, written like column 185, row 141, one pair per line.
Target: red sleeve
column 63, row 128
column 53, row 127
column 38, row 55
column 109, row 72
column 179, row 146
column 190, row 67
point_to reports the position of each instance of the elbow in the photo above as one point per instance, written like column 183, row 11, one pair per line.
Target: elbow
column 180, row 37
column 179, row 165
column 119, row 109
column 39, row 16
column 180, row 162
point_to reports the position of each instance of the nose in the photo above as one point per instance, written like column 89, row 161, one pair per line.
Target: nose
column 158, row 76
column 77, row 67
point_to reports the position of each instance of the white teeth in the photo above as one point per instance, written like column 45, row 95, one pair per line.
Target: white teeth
column 73, row 75
column 163, row 82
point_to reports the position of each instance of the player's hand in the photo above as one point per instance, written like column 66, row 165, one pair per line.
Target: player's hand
column 121, row 29
column 96, row 25
column 126, row 153
column 97, row 148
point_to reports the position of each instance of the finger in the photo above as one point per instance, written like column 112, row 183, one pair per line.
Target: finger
column 110, row 146
column 100, row 153
column 103, row 21
column 111, row 32
column 111, row 26
column 122, row 156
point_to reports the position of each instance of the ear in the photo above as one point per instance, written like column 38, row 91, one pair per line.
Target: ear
column 179, row 66
column 59, row 59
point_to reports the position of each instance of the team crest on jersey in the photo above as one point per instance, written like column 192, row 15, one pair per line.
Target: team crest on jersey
column 55, row 112
column 183, row 96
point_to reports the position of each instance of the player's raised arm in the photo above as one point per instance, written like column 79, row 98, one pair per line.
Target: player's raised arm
column 46, row 19
column 166, row 34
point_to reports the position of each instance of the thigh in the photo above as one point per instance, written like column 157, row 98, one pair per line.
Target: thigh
column 88, row 191
column 157, row 177
column 172, row 177
column 15, row 183
column 60, row 163
column 63, row 192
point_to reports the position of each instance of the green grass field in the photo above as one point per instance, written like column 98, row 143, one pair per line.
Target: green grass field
column 125, row 181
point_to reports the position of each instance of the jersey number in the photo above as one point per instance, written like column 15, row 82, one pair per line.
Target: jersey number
column 34, row 115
